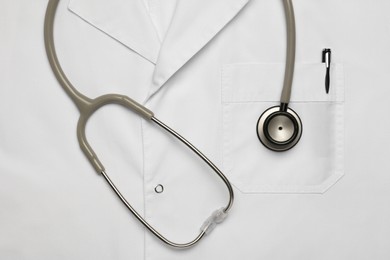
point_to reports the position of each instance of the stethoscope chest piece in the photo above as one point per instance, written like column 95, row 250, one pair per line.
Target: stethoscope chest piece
column 279, row 130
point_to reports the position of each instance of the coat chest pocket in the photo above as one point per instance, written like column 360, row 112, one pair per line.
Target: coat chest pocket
column 316, row 162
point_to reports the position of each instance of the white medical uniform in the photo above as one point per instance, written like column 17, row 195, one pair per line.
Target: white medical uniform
column 208, row 69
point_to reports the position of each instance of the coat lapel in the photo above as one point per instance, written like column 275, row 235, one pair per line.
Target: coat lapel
column 127, row 21
column 194, row 24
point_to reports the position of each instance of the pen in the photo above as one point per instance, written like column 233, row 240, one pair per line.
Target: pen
column 326, row 58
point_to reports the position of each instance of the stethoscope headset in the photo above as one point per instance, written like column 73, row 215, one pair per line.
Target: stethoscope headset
column 279, row 128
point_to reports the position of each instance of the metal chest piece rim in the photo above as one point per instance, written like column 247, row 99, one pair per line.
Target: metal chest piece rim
column 279, row 130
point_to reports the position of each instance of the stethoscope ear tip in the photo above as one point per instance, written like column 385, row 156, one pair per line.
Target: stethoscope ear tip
column 279, row 129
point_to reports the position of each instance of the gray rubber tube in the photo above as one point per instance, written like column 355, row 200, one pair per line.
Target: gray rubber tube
column 79, row 99
column 82, row 102
column 291, row 45
column 85, row 105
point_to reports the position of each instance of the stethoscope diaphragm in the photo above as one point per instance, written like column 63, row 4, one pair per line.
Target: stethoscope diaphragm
column 278, row 129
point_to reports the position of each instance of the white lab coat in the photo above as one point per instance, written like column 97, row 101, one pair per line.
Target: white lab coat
column 209, row 73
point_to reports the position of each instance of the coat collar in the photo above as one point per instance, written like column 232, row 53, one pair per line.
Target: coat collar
column 126, row 21
column 194, row 24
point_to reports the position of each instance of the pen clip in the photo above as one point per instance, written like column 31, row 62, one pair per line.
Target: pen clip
column 326, row 58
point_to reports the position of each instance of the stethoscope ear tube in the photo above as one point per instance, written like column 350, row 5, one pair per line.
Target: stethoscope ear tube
column 92, row 106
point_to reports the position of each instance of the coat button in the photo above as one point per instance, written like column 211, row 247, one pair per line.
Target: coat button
column 159, row 188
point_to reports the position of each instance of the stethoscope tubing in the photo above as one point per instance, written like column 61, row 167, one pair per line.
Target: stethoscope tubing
column 290, row 52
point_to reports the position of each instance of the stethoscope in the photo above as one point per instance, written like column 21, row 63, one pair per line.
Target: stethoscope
column 279, row 128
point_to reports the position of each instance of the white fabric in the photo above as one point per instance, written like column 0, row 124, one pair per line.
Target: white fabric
column 208, row 69
column 161, row 13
